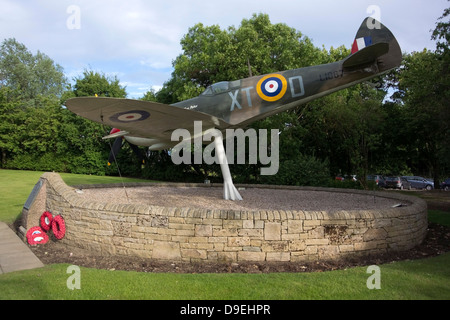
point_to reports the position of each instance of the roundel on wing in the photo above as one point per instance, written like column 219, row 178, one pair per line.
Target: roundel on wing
column 130, row 116
column 271, row 87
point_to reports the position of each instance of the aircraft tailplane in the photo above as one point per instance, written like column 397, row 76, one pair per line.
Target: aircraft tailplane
column 374, row 43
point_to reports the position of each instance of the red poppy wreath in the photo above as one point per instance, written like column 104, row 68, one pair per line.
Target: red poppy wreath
column 36, row 236
column 58, row 227
column 46, row 221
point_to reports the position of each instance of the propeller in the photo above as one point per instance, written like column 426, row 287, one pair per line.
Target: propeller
column 115, row 150
column 117, row 146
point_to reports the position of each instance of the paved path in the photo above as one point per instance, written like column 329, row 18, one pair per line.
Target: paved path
column 14, row 253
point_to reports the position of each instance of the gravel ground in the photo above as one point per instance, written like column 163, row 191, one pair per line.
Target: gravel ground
column 254, row 198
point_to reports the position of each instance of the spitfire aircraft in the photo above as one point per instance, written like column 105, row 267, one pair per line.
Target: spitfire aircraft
column 236, row 104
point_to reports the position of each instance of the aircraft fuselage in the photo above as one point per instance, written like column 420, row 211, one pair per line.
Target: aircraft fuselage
column 244, row 101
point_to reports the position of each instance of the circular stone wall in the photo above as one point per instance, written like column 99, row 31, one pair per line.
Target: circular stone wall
column 273, row 223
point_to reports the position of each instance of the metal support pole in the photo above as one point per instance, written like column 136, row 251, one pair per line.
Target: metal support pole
column 229, row 190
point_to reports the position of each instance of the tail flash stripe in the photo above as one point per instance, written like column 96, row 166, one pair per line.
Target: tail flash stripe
column 361, row 43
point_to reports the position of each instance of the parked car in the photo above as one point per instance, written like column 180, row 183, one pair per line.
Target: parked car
column 379, row 180
column 397, row 183
column 420, row 183
column 352, row 177
column 446, row 184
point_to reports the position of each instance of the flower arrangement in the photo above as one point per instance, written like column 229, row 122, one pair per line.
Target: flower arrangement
column 46, row 221
column 58, row 227
column 37, row 235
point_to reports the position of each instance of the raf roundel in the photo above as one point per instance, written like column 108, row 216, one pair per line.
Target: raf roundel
column 271, row 87
column 130, row 116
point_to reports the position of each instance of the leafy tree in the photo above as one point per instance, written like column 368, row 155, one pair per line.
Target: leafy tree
column 150, row 96
column 36, row 132
column 11, row 117
column 423, row 88
column 211, row 54
column 27, row 74
column 442, row 34
column 272, row 47
column 94, row 83
column 89, row 153
column 29, row 89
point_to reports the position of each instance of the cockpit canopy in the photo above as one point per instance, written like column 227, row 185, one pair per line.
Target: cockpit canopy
column 220, row 87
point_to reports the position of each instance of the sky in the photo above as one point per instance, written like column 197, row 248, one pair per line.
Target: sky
column 137, row 40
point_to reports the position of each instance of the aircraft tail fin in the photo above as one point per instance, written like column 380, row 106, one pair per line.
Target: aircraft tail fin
column 374, row 43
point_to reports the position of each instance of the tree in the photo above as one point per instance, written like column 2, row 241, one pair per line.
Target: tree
column 29, row 75
column 270, row 47
column 423, row 88
column 29, row 88
column 11, row 117
column 94, row 83
column 36, row 132
column 211, row 54
column 82, row 138
column 442, row 34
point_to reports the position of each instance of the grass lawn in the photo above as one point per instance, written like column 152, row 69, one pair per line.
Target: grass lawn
column 419, row 279
column 16, row 185
column 439, row 217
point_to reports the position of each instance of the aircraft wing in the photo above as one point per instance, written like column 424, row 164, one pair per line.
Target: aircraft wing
column 141, row 118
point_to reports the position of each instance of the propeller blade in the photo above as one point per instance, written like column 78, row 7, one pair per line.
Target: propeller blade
column 136, row 150
column 115, row 150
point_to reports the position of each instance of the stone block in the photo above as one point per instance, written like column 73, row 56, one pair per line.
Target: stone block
column 328, row 252
column 259, row 224
column 297, row 245
column 121, row 229
column 375, row 234
column 220, row 232
column 248, row 224
column 238, row 241
column 346, row 248
column 254, row 233
column 253, row 249
column 295, row 226
column 203, row 230
column 163, row 250
column 226, row 256
column 194, row 254
column 311, row 223
column 278, row 256
column 250, row 256
column 272, row 231
column 275, row 246
column 232, row 223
